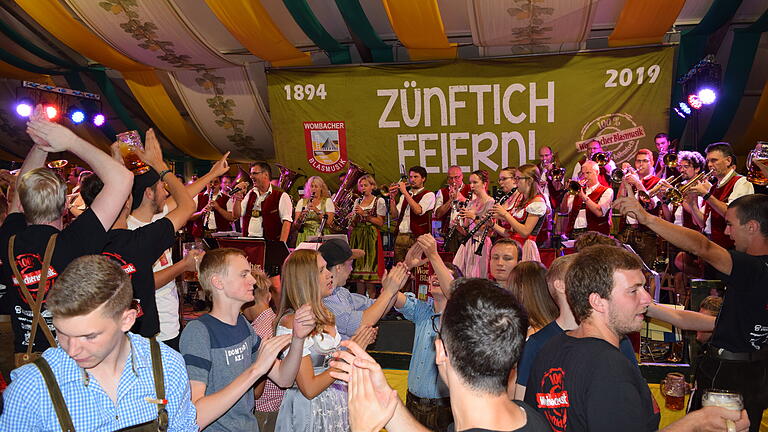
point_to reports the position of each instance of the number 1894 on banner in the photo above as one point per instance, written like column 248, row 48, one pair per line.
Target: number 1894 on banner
column 304, row 91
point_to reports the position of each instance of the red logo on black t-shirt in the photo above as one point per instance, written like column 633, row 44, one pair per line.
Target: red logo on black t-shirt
column 553, row 400
column 30, row 266
column 129, row 269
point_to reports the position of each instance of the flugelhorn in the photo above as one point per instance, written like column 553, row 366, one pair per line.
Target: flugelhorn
column 556, row 174
column 602, row 158
column 670, row 160
column 575, row 186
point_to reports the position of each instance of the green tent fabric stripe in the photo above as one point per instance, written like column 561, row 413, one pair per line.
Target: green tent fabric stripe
column 306, row 19
column 358, row 22
column 108, row 92
column 691, row 50
column 742, row 57
column 34, row 49
column 27, row 66
column 75, row 81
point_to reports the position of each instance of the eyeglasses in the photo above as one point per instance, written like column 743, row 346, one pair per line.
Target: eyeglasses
column 520, row 178
column 505, row 178
column 436, row 324
column 257, row 173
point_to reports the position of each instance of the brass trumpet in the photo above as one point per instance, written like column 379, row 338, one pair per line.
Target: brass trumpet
column 58, row 166
column 602, row 158
column 676, row 195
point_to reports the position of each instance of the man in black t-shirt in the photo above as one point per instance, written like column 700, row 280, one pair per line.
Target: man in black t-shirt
column 479, row 339
column 736, row 357
column 41, row 195
column 580, row 380
column 137, row 250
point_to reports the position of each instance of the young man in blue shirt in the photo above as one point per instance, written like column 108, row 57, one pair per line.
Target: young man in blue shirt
column 103, row 372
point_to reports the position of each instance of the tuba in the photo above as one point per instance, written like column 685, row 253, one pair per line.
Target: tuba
column 287, row 178
column 344, row 199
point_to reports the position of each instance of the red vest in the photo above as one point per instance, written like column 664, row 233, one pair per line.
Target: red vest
column 271, row 223
column 222, row 224
column 601, row 224
column 420, row 224
column 535, row 232
column 688, row 221
column 717, row 233
column 446, row 219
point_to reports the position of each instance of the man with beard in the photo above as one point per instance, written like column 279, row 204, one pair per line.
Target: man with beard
column 580, row 380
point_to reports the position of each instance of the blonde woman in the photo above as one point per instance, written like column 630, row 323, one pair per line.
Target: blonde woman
column 317, row 402
column 365, row 234
column 310, row 209
column 528, row 214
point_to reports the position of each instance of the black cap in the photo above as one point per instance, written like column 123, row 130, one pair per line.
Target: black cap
column 337, row 251
column 140, row 183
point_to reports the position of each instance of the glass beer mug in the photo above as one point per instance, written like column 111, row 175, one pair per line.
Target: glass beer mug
column 754, row 174
column 129, row 142
column 674, row 388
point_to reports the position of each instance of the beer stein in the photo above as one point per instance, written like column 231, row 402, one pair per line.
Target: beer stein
column 754, row 174
column 674, row 388
column 129, row 142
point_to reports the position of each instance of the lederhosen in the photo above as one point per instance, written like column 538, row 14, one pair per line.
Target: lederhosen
column 35, row 303
column 65, row 420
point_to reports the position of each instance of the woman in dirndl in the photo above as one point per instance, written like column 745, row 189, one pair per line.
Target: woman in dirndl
column 365, row 234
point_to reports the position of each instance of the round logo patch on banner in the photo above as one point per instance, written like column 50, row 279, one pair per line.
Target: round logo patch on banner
column 617, row 133
column 326, row 144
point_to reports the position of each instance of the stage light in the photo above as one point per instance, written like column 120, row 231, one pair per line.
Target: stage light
column 707, row 96
column 76, row 114
column 51, row 112
column 694, row 101
column 98, row 120
column 684, row 108
column 24, row 108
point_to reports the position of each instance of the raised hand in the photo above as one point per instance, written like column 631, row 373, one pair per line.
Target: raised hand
column 51, row 137
column 268, row 351
column 152, row 154
column 428, row 244
column 115, row 151
column 303, row 321
column 630, row 206
column 395, row 279
column 414, row 257
column 364, row 336
column 356, row 357
column 369, row 411
column 221, row 166
column 192, row 259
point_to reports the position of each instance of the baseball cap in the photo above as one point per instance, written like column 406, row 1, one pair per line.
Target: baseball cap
column 140, row 183
column 337, row 251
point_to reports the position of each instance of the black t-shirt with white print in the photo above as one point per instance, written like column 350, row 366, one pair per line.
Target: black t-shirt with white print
column 84, row 236
column 136, row 251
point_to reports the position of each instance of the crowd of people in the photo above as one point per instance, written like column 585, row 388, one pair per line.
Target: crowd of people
column 503, row 341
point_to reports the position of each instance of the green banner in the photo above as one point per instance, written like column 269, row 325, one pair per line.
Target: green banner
column 484, row 114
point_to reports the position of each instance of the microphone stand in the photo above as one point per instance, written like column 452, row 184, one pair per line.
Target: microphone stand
column 322, row 227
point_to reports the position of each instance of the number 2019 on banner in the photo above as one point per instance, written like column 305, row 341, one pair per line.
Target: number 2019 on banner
column 306, row 91
column 627, row 77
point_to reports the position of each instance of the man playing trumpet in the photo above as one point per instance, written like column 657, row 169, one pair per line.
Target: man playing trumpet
column 637, row 184
column 589, row 207
column 595, row 151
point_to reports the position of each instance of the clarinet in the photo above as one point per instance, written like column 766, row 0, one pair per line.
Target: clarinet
column 456, row 222
column 208, row 213
column 485, row 218
column 305, row 211
column 486, row 230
